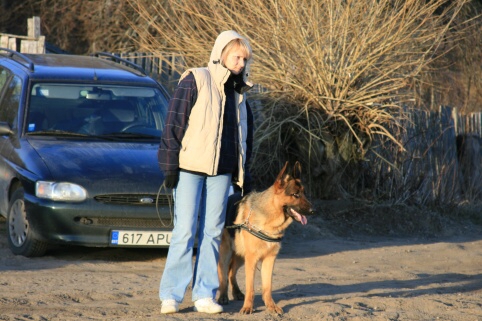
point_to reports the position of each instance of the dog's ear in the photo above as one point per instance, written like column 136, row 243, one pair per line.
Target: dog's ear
column 280, row 182
column 296, row 170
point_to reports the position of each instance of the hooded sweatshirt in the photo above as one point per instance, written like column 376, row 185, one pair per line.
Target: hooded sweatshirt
column 193, row 142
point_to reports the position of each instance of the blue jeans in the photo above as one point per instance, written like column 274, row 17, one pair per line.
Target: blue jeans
column 198, row 200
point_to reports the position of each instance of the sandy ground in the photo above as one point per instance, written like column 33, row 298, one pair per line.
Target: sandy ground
column 316, row 278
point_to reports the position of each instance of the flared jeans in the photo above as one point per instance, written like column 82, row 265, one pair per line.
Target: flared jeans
column 199, row 205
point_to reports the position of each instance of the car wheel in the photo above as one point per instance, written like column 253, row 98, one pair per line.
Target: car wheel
column 21, row 238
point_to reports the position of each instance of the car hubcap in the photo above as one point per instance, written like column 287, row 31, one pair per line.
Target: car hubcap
column 18, row 223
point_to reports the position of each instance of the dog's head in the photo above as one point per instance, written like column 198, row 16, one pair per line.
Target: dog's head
column 294, row 202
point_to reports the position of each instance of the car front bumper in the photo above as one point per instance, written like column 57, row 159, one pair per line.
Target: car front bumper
column 91, row 223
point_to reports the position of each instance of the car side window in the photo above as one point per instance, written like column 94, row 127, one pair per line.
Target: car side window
column 10, row 102
column 4, row 74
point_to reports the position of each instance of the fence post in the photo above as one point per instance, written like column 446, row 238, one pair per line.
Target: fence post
column 35, row 42
column 12, row 43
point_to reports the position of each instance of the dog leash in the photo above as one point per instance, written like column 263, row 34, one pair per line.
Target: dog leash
column 169, row 200
column 256, row 232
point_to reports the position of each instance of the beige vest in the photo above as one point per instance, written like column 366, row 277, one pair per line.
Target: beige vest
column 201, row 145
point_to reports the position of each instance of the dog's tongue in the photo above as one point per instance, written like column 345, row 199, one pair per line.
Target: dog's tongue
column 300, row 218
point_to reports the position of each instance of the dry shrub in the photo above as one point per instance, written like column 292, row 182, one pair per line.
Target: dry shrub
column 335, row 73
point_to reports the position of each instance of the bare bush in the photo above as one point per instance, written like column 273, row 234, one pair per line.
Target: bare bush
column 335, row 73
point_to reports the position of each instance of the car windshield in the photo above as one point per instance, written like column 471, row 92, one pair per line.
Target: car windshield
column 96, row 110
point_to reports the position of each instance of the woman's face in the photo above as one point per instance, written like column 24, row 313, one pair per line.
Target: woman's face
column 235, row 60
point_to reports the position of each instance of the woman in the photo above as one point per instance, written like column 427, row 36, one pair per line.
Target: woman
column 205, row 146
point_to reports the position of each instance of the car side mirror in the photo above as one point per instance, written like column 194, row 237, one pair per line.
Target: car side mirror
column 5, row 129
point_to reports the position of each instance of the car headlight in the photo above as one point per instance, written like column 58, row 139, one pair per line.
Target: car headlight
column 55, row 191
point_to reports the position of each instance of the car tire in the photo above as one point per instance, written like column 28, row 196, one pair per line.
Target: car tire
column 21, row 238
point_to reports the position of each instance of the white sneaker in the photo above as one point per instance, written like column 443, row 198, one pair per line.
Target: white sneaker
column 169, row 306
column 207, row 305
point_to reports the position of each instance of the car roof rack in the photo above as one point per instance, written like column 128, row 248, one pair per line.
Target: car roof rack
column 119, row 60
column 12, row 53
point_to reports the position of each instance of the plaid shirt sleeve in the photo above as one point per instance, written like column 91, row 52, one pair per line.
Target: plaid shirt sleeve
column 180, row 107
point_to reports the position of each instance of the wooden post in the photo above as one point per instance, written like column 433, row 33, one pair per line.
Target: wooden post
column 4, row 41
column 35, row 42
column 12, row 43
column 33, row 25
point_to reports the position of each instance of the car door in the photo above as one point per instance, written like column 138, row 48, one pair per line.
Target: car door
column 10, row 94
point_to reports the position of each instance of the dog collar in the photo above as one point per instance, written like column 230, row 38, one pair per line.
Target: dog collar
column 258, row 234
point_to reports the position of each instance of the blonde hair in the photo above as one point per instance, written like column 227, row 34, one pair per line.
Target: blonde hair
column 243, row 44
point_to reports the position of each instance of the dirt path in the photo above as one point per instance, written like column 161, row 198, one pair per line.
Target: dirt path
column 328, row 278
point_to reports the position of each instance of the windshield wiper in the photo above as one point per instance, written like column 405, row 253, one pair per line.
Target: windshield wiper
column 130, row 135
column 65, row 133
column 56, row 132
column 110, row 136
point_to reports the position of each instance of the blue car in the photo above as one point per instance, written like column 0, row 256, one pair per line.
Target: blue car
column 78, row 153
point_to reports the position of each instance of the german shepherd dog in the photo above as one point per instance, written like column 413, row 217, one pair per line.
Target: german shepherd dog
column 260, row 221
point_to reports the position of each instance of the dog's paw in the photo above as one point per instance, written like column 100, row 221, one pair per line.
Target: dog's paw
column 238, row 296
column 223, row 300
column 246, row 310
column 275, row 309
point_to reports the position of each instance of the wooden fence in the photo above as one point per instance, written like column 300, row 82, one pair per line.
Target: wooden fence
column 34, row 42
column 468, row 124
column 441, row 162
column 166, row 67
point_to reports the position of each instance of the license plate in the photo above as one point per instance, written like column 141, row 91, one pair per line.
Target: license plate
column 141, row 238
